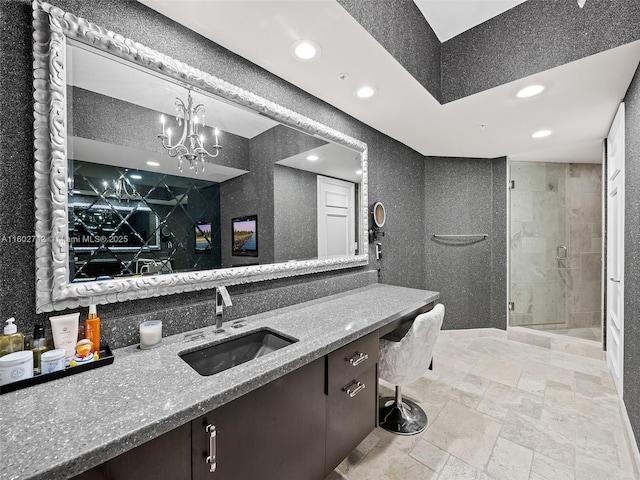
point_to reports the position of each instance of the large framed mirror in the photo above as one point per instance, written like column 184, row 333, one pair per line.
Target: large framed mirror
column 154, row 178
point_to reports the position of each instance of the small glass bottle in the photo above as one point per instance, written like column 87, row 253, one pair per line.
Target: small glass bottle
column 38, row 347
column 92, row 328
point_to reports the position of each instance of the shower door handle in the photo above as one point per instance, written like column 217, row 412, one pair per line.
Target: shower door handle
column 561, row 252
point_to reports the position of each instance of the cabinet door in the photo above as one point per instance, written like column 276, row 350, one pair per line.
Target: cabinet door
column 350, row 418
column 273, row 433
column 167, row 457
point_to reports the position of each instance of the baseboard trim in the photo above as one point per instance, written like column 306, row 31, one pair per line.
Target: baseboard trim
column 632, row 444
column 475, row 332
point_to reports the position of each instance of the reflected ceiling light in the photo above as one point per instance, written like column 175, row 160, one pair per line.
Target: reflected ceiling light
column 359, row 172
column 190, row 146
column 136, row 177
column 530, row 91
column 366, row 91
column 541, row 134
column 313, row 158
column 153, row 164
column 305, row 50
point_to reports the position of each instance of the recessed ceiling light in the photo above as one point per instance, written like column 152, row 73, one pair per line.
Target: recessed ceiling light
column 366, row 91
column 136, row 177
column 359, row 172
column 530, row 91
column 541, row 134
column 313, row 158
column 305, row 50
column 153, row 164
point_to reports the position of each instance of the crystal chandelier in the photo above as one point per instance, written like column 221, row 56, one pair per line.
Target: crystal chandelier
column 122, row 190
column 190, row 146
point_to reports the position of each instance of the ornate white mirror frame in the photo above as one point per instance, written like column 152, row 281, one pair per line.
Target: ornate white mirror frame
column 54, row 290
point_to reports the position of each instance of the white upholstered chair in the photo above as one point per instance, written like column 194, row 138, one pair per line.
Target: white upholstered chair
column 403, row 362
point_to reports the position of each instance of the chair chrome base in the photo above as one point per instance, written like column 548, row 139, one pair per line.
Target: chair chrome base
column 401, row 416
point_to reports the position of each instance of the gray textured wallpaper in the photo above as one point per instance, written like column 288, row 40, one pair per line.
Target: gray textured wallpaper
column 295, row 214
column 632, row 256
column 467, row 197
column 401, row 29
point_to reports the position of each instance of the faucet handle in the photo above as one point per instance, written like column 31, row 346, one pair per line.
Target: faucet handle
column 226, row 298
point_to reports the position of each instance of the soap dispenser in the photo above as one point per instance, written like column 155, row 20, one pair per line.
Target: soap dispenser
column 11, row 341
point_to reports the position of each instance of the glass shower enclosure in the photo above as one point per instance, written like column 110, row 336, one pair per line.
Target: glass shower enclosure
column 555, row 247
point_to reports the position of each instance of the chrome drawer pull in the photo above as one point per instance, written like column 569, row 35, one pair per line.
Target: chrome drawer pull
column 211, row 459
column 357, row 359
column 359, row 386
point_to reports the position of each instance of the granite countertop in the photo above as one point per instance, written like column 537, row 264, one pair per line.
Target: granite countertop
column 61, row 428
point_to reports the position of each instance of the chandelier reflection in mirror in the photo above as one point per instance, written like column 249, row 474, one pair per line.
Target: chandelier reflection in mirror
column 191, row 143
column 123, row 190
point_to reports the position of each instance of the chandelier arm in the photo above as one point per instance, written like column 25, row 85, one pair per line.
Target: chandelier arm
column 190, row 146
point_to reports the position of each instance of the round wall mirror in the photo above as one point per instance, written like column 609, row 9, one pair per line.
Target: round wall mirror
column 379, row 214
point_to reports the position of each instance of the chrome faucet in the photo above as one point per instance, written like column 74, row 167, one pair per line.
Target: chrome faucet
column 223, row 299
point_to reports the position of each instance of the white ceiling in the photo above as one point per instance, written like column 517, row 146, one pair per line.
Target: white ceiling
column 578, row 105
column 449, row 18
column 333, row 160
column 103, row 153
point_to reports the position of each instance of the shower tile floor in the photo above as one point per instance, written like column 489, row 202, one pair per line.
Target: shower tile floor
column 504, row 410
column 586, row 333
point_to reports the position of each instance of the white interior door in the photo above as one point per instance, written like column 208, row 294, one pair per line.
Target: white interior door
column 336, row 223
column 615, row 248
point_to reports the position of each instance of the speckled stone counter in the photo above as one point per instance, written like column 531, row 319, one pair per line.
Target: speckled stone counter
column 61, row 428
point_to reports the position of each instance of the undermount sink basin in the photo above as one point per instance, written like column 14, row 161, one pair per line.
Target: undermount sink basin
column 216, row 358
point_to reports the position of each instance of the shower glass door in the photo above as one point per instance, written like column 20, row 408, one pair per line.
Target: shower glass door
column 538, row 245
column 556, row 246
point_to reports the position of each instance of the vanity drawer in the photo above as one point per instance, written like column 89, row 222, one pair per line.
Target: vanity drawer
column 351, row 415
column 348, row 362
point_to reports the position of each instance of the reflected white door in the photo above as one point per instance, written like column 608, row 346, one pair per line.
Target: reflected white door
column 615, row 248
column 336, row 223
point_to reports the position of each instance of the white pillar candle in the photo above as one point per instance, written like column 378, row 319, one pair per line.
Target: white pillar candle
column 150, row 333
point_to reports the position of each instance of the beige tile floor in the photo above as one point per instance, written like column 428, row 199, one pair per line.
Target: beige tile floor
column 504, row 410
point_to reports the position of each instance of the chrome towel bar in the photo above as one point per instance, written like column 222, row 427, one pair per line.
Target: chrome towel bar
column 484, row 235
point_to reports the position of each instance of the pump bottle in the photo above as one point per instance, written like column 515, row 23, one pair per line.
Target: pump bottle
column 12, row 340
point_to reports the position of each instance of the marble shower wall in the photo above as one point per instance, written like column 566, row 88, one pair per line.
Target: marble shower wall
column 554, row 206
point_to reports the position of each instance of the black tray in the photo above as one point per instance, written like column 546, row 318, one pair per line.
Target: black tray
column 106, row 358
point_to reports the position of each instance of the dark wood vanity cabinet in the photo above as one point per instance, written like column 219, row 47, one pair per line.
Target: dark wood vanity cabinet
column 167, row 457
column 275, row 432
column 352, row 394
column 299, row 427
